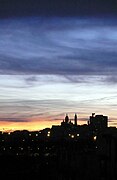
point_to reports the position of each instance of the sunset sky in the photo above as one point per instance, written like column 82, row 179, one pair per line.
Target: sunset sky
column 57, row 58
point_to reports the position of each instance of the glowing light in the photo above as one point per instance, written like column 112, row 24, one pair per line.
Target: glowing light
column 95, row 137
column 48, row 134
column 72, row 136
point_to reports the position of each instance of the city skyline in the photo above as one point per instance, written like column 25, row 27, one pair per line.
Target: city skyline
column 55, row 59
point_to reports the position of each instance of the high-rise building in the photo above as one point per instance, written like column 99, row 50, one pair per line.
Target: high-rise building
column 98, row 122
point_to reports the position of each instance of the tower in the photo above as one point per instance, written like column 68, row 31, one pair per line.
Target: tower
column 75, row 120
column 66, row 119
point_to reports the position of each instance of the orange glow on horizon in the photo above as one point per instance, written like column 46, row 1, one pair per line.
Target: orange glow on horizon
column 38, row 124
column 30, row 126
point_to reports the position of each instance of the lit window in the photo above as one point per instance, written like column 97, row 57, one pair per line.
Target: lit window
column 72, row 136
column 95, row 137
column 48, row 134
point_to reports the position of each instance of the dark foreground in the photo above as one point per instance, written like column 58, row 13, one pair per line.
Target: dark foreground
column 58, row 160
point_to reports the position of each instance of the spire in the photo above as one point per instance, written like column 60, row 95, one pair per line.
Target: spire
column 66, row 118
column 75, row 120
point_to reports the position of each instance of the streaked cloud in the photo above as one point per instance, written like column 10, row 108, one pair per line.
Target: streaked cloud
column 13, row 120
column 50, row 97
column 65, row 46
column 53, row 66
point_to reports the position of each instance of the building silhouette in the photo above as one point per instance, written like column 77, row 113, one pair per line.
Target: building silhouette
column 68, row 151
column 75, row 119
column 98, row 122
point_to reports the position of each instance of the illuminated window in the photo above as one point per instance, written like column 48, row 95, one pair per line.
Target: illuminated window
column 48, row 134
column 95, row 137
column 72, row 136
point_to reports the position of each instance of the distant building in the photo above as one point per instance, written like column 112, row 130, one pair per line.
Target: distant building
column 67, row 121
column 98, row 122
column 70, row 129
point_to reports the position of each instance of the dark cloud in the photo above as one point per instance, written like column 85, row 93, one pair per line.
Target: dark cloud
column 58, row 46
column 111, row 79
column 56, row 7
column 89, row 63
column 13, row 119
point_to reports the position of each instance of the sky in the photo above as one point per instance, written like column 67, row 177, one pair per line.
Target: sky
column 57, row 57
